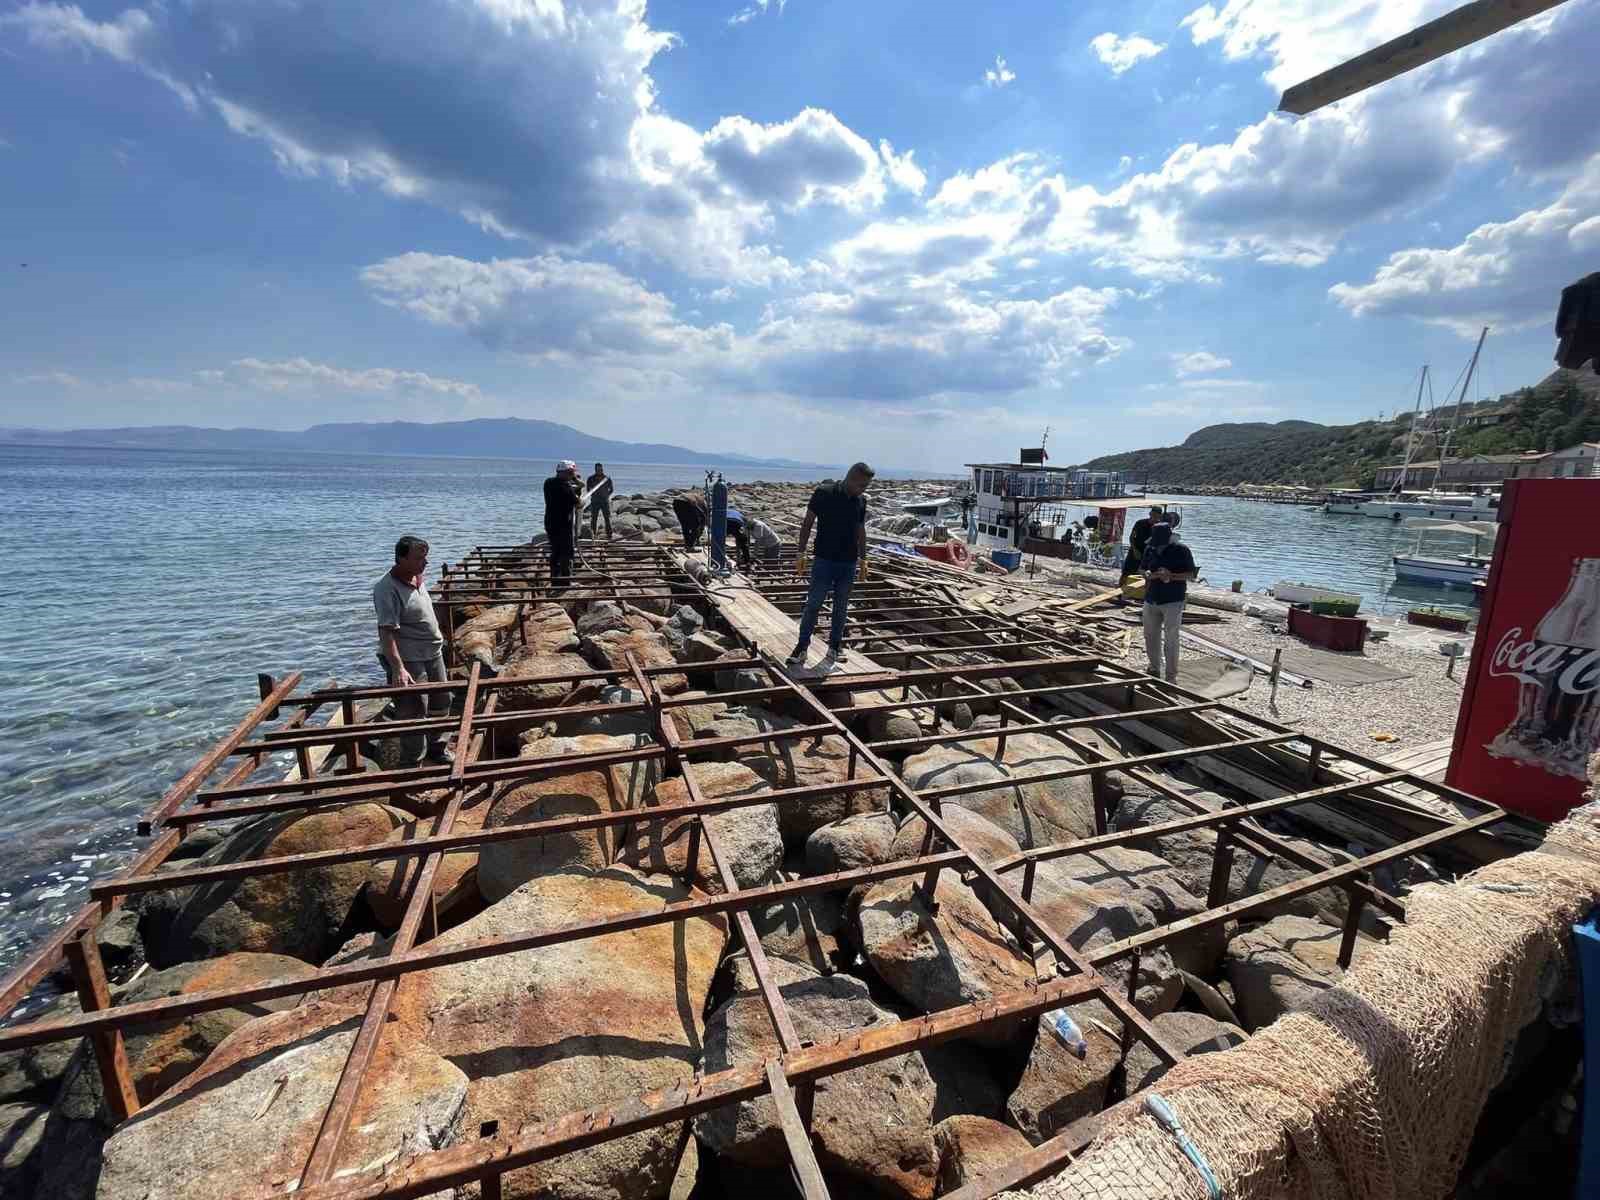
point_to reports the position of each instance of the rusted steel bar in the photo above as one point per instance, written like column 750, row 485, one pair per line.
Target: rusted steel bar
column 777, row 1011
column 458, row 1166
column 973, row 735
column 802, row 1158
column 171, row 1007
column 1225, row 816
column 110, row 1055
column 1064, row 951
column 510, row 681
column 324, row 1156
column 885, row 680
column 1188, row 752
column 1288, row 891
column 444, row 843
column 179, row 792
column 1023, row 694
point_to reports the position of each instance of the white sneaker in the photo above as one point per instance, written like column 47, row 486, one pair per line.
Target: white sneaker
column 828, row 662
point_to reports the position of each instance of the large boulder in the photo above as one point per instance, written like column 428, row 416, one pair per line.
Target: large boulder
column 480, row 637
column 863, row 840
column 455, row 882
column 1190, row 854
column 633, row 781
column 1190, row 1032
column 304, row 913
column 21, row 1136
column 160, row 1055
column 1035, row 814
column 529, row 663
column 970, row 1147
column 605, row 616
column 257, row 1104
column 547, row 629
column 805, row 929
column 973, row 830
column 791, row 763
column 748, row 836
column 609, row 651
column 1279, row 967
column 1091, row 918
column 692, row 720
column 32, row 1074
column 956, row 955
column 1058, row 1087
column 505, row 866
column 872, row 1124
column 575, row 1025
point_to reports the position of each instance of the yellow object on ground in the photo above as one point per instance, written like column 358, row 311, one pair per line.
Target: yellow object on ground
column 1133, row 587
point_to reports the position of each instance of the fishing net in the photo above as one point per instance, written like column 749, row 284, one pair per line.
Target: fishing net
column 1374, row 1091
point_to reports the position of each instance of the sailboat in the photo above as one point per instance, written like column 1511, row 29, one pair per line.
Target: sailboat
column 1433, row 503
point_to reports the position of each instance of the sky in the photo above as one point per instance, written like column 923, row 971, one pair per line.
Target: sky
column 920, row 233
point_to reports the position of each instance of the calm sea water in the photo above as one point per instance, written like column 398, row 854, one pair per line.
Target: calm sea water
column 149, row 588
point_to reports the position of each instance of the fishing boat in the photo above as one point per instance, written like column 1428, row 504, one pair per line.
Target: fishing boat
column 1458, row 570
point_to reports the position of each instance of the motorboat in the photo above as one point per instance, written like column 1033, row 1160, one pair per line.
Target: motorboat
column 1307, row 593
column 1348, row 503
column 1457, row 570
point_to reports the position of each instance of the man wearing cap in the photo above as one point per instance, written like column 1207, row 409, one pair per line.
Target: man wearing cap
column 561, row 493
column 1168, row 567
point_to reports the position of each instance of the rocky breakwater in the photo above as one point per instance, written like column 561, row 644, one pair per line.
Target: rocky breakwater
column 503, row 1042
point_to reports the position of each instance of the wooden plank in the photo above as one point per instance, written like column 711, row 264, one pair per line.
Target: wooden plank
column 755, row 617
column 1467, row 24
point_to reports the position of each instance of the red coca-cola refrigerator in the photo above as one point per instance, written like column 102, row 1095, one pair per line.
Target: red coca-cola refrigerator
column 1530, row 715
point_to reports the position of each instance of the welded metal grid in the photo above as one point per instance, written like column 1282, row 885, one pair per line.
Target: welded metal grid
column 905, row 612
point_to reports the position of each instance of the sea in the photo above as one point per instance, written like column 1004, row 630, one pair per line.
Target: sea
column 149, row 587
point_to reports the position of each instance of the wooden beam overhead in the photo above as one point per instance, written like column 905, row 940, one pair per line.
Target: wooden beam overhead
column 1465, row 25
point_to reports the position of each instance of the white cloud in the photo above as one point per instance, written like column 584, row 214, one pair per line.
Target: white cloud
column 301, row 374
column 1508, row 274
column 1123, row 53
column 903, row 173
column 751, row 11
column 568, row 146
column 999, row 75
column 1210, row 400
column 64, row 379
column 928, row 342
column 1199, row 362
column 155, row 386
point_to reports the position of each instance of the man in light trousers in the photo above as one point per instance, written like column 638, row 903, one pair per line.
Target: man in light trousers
column 1168, row 567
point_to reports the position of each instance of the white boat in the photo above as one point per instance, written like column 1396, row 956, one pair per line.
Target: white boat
column 1444, row 506
column 1306, row 593
column 1348, row 503
column 1458, row 570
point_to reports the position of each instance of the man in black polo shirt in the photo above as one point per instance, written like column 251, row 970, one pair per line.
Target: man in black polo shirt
column 1168, row 566
column 840, row 515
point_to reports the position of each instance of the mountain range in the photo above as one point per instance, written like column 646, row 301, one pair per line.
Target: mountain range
column 506, row 437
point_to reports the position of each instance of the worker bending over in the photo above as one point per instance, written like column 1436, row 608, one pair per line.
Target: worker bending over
column 839, row 512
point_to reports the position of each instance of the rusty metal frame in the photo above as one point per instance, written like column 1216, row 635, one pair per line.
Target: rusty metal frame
column 912, row 609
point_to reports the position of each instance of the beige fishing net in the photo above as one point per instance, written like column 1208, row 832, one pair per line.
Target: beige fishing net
column 1372, row 1094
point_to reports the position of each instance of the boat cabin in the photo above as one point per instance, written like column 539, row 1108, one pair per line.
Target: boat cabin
column 1009, row 498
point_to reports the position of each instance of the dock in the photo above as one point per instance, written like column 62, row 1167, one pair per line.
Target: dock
column 1020, row 667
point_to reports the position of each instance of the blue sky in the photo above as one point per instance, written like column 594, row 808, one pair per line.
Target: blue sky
column 913, row 232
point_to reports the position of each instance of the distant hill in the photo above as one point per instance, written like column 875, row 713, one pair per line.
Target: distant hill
column 1246, row 433
column 508, row 437
column 1560, row 410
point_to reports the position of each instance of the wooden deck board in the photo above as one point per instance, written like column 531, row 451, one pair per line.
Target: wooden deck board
column 769, row 627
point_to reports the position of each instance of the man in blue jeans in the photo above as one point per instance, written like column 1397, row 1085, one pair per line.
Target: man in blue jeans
column 840, row 515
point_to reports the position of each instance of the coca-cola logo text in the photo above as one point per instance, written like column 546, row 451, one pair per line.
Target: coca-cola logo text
column 1567, row 668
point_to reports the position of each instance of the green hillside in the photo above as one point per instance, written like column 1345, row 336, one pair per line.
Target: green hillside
column 1560, row 410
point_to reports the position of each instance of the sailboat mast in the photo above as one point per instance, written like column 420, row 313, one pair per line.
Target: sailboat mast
column 1411, row 436
column 1461, row 400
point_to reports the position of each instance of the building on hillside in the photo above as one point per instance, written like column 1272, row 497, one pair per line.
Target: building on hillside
column 1417, row 475
column 1479, row 469
column 1529, row 465
column 1575, row 462
column 1489, row 416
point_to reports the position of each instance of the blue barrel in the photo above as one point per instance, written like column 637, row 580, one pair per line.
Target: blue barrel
column 1009, row 559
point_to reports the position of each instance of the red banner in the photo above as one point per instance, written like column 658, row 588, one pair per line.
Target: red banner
column 1530, row 716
